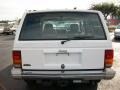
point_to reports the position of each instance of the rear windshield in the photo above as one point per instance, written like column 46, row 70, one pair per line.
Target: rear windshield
column 62, row 26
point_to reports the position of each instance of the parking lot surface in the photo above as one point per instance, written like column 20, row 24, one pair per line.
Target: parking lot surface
column 7, row 83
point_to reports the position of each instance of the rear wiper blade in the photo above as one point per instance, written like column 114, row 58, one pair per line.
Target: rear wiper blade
column 76, row 38
column 62, row 42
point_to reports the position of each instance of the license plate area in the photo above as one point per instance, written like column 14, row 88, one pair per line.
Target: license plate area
column 62, row 58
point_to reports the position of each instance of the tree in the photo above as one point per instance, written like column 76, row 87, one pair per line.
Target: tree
column 118, row 11
column 105, row 8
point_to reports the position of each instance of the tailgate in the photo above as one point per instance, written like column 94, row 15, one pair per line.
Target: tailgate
column 72, row 55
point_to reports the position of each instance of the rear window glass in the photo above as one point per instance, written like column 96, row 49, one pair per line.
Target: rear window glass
column 62, row 26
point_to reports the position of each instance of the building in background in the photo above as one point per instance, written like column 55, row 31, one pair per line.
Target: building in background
column 114, row 20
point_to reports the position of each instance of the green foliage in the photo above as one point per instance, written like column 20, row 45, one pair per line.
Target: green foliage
column 118, row 11
column 106, row 9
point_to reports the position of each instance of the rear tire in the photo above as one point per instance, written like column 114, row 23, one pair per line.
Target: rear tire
column 7, row 33
column 92, row 85
column 13, row 32
column 115, row 38
column 30, row 82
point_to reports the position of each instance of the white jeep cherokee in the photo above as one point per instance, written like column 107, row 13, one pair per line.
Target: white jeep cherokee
column 66, row 45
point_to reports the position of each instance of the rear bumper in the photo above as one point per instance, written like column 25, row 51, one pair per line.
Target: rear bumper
column 83, row 75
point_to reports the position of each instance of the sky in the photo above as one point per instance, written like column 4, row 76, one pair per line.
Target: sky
column 13, row 9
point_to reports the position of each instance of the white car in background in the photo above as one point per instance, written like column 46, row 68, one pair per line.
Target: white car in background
column 117, row 32
column 10, row 30
column 1, row 30
column 13, row 29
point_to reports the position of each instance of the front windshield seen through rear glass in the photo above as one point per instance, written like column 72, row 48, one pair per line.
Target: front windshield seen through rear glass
column 62, row 26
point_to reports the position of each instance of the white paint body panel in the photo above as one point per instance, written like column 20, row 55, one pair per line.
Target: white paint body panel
column 83, row 54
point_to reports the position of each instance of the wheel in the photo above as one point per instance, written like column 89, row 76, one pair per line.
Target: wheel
column 7, row 33
column 13, row 32
column 63, row 83
column 92, row 85
column 30, row 82
column 115, row 38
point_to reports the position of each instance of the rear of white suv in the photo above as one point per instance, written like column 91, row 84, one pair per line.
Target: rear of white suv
column 62, row 45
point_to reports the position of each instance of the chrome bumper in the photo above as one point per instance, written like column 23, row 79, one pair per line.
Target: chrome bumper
column 83, row 75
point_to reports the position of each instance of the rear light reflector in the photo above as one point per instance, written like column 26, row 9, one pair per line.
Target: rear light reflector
column 109, row 58
column 17, row 58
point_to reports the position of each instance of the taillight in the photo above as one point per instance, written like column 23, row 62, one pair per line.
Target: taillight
column 109, row 58
column 17, row 58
